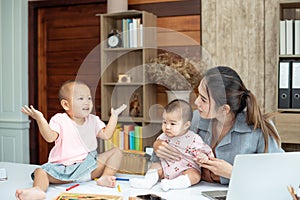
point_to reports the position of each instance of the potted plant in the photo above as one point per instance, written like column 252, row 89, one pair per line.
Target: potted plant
column 177, row 74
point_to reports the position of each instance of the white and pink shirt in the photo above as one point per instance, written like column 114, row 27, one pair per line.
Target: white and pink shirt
column 74, row 141
column 189, row 145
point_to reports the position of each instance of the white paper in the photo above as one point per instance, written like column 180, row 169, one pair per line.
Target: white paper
column 3, row 175
column 296, row 75
column 284, row 75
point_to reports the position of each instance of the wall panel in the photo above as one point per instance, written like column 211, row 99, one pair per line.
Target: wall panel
column 233, row 33
column 14, row 144
column 271, row 59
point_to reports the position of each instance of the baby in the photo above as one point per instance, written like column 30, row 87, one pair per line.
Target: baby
column 177, row 118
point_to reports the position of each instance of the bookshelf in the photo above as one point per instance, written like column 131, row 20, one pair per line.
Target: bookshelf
column 287, row 122
column 123, row 77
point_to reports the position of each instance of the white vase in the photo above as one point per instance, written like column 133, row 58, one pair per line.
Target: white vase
column 178, row 94
column 117, row 6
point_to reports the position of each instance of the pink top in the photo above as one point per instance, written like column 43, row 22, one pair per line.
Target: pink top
column 74, row 141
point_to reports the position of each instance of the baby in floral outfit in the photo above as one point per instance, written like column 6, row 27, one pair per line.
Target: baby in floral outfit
column 177, row 118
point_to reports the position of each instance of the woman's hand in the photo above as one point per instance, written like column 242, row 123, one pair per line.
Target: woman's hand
column 218, row 167
column 165, row 151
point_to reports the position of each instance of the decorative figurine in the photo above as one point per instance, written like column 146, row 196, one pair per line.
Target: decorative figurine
column 135, row 108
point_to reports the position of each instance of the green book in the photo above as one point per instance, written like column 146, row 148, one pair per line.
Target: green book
column 137, row 138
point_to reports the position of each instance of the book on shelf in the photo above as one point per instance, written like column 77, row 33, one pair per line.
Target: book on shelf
column 108, row 144
column 289, row 84
column 116, row 136
column 127, row 128
column 132, row 33
column 297, row 37
column 137, row 138
column 289, row 37
column 141, row 139
column 121, row 138
column 284, row 90
column 295, row 84
column 131, row 140
column 125, row 33
column 141, row 35
column 126, row 137
column 282, row 36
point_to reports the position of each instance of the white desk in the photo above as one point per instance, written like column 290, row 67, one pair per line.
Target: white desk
column 19, row 177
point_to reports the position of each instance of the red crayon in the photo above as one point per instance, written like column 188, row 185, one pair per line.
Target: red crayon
column 73, row 186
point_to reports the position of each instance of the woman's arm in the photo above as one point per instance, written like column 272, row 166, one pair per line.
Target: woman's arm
column 165, row 151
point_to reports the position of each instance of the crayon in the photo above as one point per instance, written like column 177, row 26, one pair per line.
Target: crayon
column 73, row 186
column 122, row 179
column 119, row 188
column 117, row 179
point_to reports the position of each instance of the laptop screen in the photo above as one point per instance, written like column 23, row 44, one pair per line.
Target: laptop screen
column 264, row 176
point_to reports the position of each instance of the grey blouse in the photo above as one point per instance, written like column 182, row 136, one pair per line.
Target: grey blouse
column 241, row 139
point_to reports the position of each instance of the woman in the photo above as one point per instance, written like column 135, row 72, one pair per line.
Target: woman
column 230, row 121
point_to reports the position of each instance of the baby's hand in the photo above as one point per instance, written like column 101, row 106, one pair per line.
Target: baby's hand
column 30, row 111
column 201, row 157
column 118, row 111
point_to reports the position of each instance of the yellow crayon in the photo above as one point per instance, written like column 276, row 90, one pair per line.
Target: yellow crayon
column 119, row 188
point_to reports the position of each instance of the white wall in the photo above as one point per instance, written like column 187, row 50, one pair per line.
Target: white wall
column 14, row 126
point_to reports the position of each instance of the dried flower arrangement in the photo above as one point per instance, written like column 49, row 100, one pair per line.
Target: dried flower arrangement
column 174, row 72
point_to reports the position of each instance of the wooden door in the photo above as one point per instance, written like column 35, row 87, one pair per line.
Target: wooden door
column 67, row 48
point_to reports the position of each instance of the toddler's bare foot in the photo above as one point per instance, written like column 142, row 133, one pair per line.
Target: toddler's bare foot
column 34, row 193
column 107, row 181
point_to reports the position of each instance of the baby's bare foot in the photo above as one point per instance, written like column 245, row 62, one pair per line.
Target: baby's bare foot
column 34, row 193
column 107, row 181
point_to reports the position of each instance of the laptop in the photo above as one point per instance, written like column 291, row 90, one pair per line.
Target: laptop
column 261, row 177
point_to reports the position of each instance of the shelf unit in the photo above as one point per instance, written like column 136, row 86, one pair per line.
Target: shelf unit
column 130, row 62
column 287, row 122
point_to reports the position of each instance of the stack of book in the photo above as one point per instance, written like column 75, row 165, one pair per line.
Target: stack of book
column 132, row 32
column 289, row 37
column 126, row 137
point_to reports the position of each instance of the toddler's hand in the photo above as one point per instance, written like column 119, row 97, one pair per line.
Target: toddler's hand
column 118, row 111
column 30, row 111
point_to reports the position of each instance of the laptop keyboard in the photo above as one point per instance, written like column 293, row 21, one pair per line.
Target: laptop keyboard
column 221, row 198
column 215, row 194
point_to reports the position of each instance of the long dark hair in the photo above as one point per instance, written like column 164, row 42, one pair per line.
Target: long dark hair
column 225, row 86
